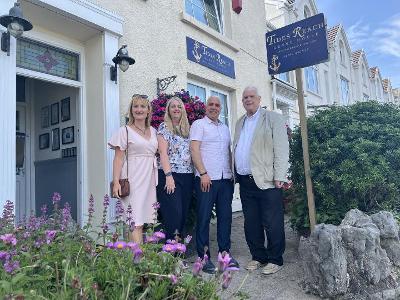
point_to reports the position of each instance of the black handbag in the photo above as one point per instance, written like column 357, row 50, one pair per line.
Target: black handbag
column 124, row 183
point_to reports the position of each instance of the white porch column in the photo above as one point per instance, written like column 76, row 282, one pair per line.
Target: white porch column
column 7, row 116
column 112, row 112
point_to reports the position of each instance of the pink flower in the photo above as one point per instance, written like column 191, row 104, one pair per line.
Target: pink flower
column 223, row 261
column 159, row 235
column 197, row 266
column 226, row 279
column 174, row 279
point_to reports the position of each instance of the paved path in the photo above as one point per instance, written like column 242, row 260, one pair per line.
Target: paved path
column 283, row 285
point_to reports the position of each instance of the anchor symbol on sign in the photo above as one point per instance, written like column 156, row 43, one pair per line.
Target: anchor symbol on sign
column 195, row 52
column 274, row 63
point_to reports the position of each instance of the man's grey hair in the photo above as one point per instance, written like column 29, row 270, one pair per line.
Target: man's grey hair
column 251, row 88
column 213, row 96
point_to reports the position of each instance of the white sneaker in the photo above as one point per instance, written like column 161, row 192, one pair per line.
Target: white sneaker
column 271, row 269
column 253, row 265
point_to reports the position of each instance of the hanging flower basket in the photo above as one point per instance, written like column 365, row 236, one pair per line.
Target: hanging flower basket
column 195, row 108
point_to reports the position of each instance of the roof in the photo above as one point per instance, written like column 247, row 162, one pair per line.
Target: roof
column 386, row 85
column 355, row 57
column 374, row 72
column 332, row 33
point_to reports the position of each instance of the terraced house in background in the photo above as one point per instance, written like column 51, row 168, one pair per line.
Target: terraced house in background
column 345, row 79
column 63, row 101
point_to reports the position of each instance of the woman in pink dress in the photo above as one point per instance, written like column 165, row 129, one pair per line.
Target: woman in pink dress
column 141, row 139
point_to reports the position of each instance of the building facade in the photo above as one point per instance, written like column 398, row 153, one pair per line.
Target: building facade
column 63, row 106
column 343, row 80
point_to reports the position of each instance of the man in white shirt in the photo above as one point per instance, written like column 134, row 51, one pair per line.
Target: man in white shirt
column 261, row 155
column 210, row 149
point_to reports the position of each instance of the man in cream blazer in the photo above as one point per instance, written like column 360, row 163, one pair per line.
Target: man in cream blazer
column 260, row 160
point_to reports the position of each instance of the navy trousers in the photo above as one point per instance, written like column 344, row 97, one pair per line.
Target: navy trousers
column 220, row 194
column 174, row 207
column 263, row 211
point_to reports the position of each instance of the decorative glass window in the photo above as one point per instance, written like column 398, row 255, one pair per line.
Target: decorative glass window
column 208, row 12
column 312, row 79
column 344, row 87
column 284, row 76
column 47, row 59
column 203, row 92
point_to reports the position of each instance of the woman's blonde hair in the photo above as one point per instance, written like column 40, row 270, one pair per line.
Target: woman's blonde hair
column 183, row 127
column 138, row 99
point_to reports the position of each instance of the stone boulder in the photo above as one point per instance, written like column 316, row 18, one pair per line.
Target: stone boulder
column 358, row 257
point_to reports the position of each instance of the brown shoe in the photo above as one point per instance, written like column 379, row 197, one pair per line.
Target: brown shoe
column 271, row 269
column 253, row 265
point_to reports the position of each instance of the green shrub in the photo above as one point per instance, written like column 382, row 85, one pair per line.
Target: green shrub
column 355, row 162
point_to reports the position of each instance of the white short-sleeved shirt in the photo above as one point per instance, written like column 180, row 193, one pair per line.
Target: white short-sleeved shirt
column 215, row 147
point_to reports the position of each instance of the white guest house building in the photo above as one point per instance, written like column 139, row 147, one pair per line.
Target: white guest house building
column 60, row 104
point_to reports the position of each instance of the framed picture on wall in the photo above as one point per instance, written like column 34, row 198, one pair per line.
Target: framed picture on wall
column 65, row 110
column 55, row 139
column 68, row 135
column 45, row 117
column 54, row 114
column 44, row 141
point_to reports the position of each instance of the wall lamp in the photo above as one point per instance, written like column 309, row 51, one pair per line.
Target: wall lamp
column 15, row 24
column 123, row 60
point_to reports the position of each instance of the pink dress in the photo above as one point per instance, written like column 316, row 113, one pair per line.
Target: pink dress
column 143, row 174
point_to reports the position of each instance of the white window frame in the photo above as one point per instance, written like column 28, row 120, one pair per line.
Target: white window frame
column 281, row 76
column 209, row 88
column 342, row 100
column 219, row 16
column 309, row 87
column 342, row 53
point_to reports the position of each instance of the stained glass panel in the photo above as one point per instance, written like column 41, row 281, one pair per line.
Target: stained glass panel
column 47, row 59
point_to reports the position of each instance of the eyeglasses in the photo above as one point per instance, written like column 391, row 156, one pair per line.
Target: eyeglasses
column 141, row 96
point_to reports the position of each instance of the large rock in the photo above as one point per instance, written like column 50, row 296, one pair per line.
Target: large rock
column 324, row 261
column 389, row 233
column 354, row 258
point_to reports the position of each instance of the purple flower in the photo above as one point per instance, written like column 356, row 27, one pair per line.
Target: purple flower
column 173, row 278
column 56, row 198
column 151, row 239
column 119, row 210
column 197, row 266
column 4, row 255
column 66, row 216
column 38, row 243
column 226, row 279
column 156, row 205
column 159, row 235
column 8, row 238
column 137, row 255
column 26, row 235
column 11, row 266
column 110, row 245
column 187, row 239
column 90, row 208
column 43, row 209
column 132, row 245
column 171, row 241
column 120, row 245
column 169, row 248
column 180, row 248
column 105, row 228
column 106, row 201
column 223, row 261
column 8, row 212
column 50, row 235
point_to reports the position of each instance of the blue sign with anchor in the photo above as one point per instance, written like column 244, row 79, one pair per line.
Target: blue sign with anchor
column 297, row 45
column 210, row 58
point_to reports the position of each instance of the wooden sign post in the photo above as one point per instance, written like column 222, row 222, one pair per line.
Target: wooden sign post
column 306, row 155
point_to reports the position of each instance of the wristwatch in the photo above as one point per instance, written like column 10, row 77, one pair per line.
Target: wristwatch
column 205, row 172
column 168, row 174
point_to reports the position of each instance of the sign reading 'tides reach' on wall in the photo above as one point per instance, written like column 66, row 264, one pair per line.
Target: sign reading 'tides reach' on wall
column 210, row 58
column 297, row 45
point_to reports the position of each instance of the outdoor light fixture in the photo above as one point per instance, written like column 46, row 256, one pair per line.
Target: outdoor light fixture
column 123, row 60
column 15, row 24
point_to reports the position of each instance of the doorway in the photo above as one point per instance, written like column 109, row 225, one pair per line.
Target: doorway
column 47, row 144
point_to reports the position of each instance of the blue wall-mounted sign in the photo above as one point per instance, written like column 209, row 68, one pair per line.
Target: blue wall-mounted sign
column 297, row 45
column 208, row 57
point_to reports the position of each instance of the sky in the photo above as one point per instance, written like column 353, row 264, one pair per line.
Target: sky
column 370, row 25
